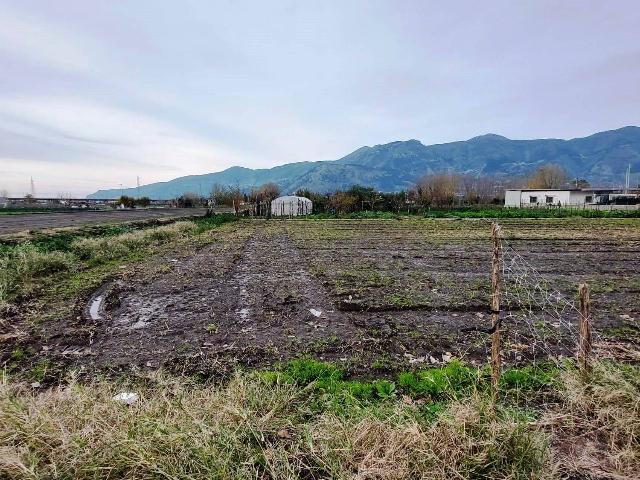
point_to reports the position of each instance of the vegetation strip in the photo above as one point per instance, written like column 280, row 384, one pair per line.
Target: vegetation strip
column 305, row 421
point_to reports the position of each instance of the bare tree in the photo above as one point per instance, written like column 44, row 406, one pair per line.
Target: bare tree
column 268, row 192
column 218, row 194
column 548, row 176
column 438, row 189
column 236, row 198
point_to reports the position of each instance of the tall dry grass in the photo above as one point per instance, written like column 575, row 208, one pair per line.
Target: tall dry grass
column 253, row 428
column 596, row 430
column 103, row 249
column 25, row 262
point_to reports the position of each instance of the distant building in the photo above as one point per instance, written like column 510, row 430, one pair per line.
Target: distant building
column 533, row 197
column 291, row 205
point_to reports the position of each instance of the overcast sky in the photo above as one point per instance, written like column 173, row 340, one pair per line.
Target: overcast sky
column 95, row 93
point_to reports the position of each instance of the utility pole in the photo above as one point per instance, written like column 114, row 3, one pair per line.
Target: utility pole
column 138, row 181
column 627, row 179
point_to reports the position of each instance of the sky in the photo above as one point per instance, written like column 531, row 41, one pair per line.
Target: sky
column 94, row 94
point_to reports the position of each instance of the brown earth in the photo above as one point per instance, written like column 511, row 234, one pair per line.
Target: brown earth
column 13, row 224
column 374, row 295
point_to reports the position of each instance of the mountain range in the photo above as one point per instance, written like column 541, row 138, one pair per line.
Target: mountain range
column 601, row 158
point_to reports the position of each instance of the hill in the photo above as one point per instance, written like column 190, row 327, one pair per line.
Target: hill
column 600, row 158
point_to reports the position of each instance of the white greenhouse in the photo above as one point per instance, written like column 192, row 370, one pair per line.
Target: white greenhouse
column 291, row 206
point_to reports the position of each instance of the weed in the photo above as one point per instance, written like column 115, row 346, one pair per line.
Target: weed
column 450, row 382
column 604, row 409
column 103, row 249
column 380, row 364
column 621, row 332
column 212, row 328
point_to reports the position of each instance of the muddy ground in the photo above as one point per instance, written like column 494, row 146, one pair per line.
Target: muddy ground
column 374, row 295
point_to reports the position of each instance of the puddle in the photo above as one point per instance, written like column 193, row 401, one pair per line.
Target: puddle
column 95, row 307
column 94, row 310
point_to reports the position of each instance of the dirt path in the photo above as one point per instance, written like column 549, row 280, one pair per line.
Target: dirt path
column 12, row 224
column 256, row 307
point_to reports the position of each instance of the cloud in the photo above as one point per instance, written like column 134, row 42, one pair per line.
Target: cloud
column 116, row 144
column 29, row 38
column 162, row 89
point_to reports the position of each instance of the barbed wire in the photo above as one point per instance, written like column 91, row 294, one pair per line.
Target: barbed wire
column 540, row 321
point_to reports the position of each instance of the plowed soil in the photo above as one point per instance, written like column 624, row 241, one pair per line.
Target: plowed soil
column 370, row 294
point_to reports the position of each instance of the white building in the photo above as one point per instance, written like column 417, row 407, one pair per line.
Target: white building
column 291, row 205
column 532, row 197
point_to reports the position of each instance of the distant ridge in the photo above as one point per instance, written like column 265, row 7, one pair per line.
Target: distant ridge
column 601, row 158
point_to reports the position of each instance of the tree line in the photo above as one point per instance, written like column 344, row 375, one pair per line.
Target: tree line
column 434, row 190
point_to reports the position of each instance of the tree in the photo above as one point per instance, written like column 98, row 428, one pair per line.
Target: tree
column 342, row 202
column 127, row 202
column 438, row 189
column 268, row 192
column 582, row 183
column 189, row 200
column 143, row 202
column 236, row 198
column 548, row 176
column 221, row 195
column 366, row 197
column 320, row 200
column 393, row 202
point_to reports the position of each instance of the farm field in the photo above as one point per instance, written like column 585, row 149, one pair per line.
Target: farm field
column 22, row 222
column 373, row 295
column 336, row 348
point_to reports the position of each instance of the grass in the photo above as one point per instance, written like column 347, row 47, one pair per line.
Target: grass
column 256, row 426
column 25, row 262
column 69, row 251
column 305, row 420
column 102, row 249
column 484, row 212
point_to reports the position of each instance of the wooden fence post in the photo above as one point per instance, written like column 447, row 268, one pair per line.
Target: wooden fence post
column 495, row 310
column 584, row 343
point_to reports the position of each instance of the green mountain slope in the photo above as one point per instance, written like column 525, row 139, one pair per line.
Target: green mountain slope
column 601, row 158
